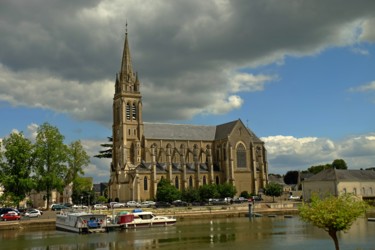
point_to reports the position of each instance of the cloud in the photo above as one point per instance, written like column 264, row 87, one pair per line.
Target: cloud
column 287, row 153
column 65, row 56
column 369, row 87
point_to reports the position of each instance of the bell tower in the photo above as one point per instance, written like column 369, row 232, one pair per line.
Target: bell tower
column 127, row 127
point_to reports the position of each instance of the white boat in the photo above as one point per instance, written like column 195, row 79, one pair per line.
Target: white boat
column 144, row 219
column 81, row 222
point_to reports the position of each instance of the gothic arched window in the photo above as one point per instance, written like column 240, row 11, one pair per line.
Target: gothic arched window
column 127, row 111
column 241, row 156
column 145, row 183
column 204, row 180
column 134, row 111
column 176, row 183
column 190, row 182
column 217, row 180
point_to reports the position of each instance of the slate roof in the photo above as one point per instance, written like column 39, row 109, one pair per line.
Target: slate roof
column 343, row 175
column 179, row 132
column 191, row 132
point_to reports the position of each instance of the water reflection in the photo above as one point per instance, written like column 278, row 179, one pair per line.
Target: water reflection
column 231, row 233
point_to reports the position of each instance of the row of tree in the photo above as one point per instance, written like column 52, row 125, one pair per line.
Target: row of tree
column 44, row 165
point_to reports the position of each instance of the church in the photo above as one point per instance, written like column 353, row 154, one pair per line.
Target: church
column 188, row 156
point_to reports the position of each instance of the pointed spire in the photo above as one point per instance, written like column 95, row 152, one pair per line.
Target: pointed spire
column 126, row 65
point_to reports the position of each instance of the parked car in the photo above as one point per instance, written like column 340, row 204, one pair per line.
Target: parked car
column 240, row 200
column 58, row 207
column 100, row 206
column 160, row 204
column 117, row 205
column 5, row 210
column 257, row 198
column 180, row 203
column 33, row 213
column 132, row 204
column 10, row 216
column 294, row 197
column 147, row 204
column 79, row 206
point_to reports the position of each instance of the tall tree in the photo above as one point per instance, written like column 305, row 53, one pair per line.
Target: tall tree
column 107, row 152
column 291, row 177
column 167, row 192
column 16, row 169
column 339, row 164
column 333, row 214
column 273, row 189
column 50, row 160
column 77, row 159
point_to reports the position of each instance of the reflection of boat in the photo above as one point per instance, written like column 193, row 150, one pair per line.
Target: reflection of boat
column 138, row 218
column 81, row 222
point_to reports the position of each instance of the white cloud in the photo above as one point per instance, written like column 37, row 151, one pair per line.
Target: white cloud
column 290, row 153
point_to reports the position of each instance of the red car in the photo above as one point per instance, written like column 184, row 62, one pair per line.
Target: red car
column 10, row 216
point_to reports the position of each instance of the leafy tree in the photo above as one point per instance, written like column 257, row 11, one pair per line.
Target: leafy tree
column 245, row 194
column 50, row 159
column 77, row 158
column 226, row 190
column 333, row 214
column 291, row 177
column 319, row 168
column 167, row 192
column 16, row 169
column 339, row 164
column 190, row 195
column 82, row 191
column 273, row 189
column 208, row 191
column 106, row 153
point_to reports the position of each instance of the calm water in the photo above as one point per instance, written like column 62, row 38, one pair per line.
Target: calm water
column 232, row 233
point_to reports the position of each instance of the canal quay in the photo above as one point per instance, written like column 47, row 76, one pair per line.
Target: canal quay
column 48, row 219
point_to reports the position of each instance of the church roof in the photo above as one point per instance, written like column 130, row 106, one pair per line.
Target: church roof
column 343, row 175
column 179, row 131
column 191, row 132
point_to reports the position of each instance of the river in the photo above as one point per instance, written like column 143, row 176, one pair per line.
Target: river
column 224, row 233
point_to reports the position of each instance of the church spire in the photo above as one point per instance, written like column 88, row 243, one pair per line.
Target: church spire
column 126, row 72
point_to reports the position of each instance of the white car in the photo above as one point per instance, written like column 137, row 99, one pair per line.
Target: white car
column 80, row 206
column 294, row 197
column 117, row 205
column 33, row 213
column 100, row 206
column 132, row 204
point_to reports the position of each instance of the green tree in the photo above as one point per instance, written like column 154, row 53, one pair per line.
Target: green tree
column 190, row 195
column 333, row 214
column 318, row 168
column 226, row 190
column 50, row 159
column 273, row 189
column 16, row 169
column 339, row 164
column 107, row 152
column 208, row 191
column 77, row 158
column 245, row 194
column 291, row 177
column 82, row 190
column 167, row 192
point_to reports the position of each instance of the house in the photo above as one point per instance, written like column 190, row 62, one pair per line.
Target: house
column 338, row 181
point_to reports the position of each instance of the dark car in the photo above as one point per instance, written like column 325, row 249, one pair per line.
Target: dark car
column 58, row 207
column 160, row 204
column 180, row 203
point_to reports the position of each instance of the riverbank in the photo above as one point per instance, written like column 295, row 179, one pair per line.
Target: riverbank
column 48, row 220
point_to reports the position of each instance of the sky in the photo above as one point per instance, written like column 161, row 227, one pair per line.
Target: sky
column 300, row 74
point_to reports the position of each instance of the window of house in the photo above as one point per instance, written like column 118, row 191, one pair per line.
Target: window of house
column 241, row 156
column 217, row 180
column 354, row 191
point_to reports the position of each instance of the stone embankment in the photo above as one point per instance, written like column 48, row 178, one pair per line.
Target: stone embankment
column 48, row 218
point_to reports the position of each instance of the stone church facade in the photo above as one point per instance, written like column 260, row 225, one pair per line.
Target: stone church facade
column 188, row 156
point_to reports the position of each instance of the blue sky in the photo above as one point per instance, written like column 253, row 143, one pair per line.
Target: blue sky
column 299, row 73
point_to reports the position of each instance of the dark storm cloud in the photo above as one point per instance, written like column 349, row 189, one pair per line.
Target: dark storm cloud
column 183, row 47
